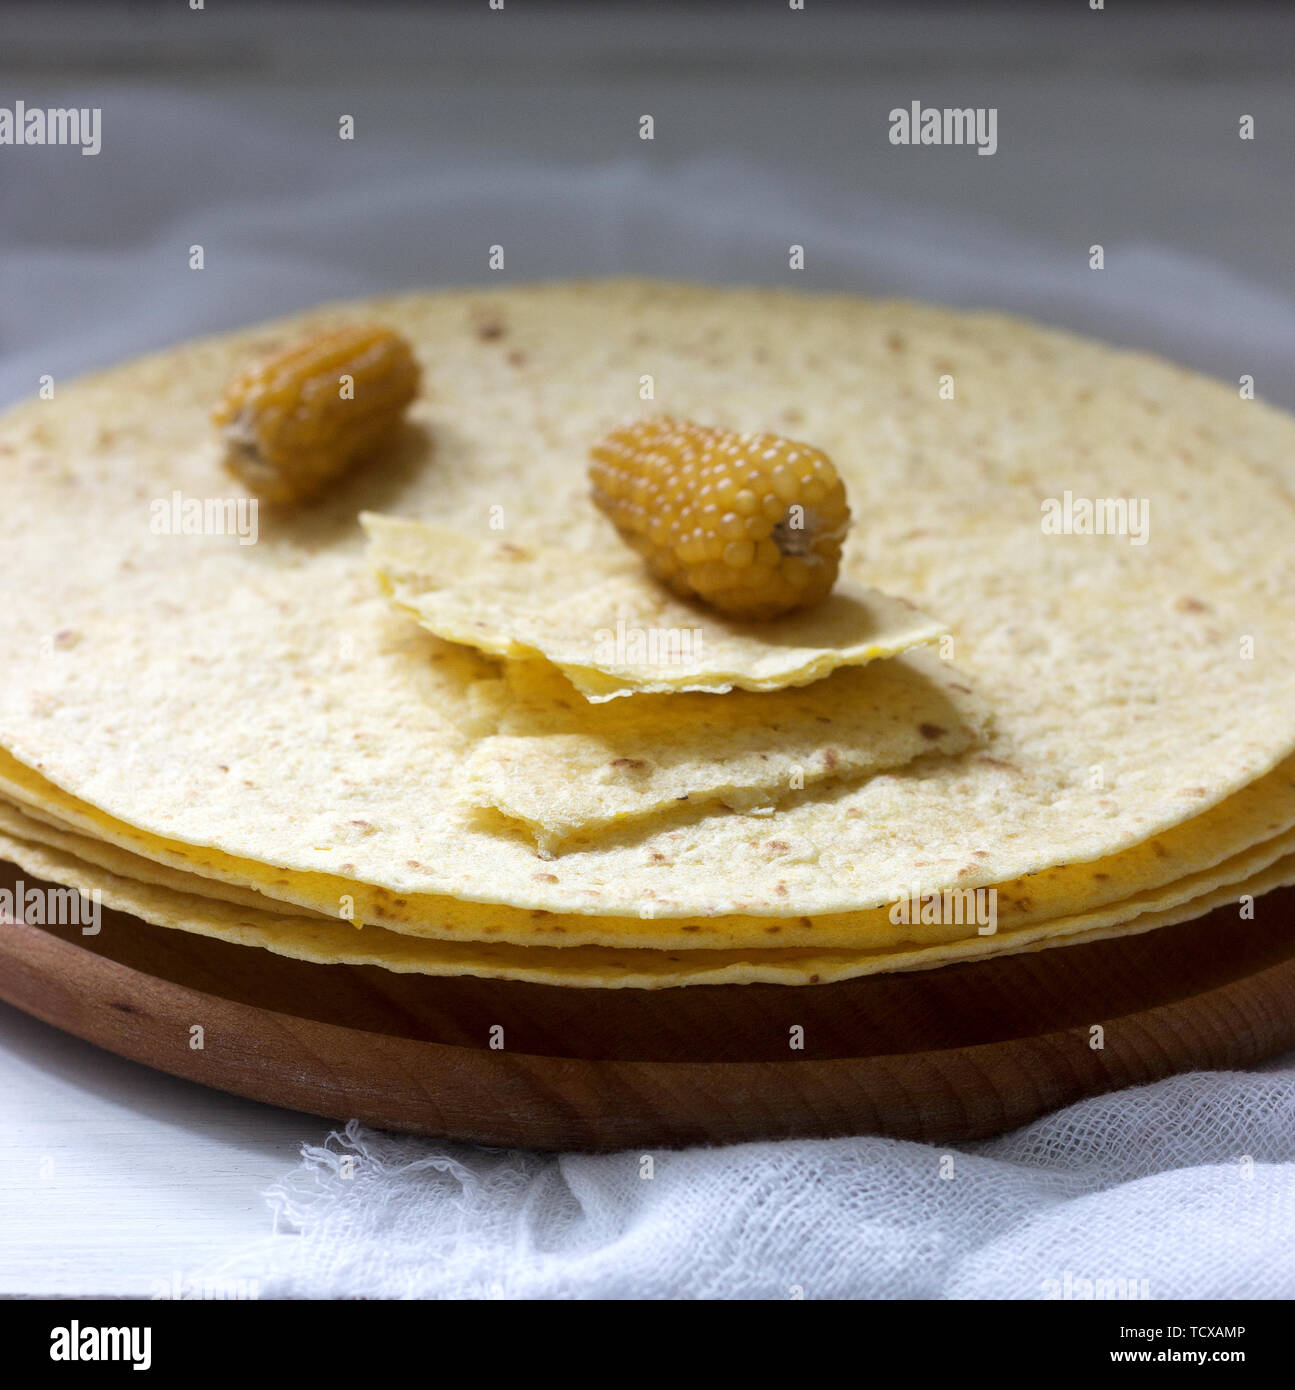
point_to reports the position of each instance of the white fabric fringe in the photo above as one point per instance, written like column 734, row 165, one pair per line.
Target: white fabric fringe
column 1183, row 1189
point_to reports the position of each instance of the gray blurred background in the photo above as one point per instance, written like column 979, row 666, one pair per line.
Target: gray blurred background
column 521, row 127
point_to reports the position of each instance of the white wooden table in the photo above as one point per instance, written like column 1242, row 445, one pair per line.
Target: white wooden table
column 114, row 1178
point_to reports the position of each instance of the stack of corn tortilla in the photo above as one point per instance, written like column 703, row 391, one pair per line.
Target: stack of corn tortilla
column 423, row 723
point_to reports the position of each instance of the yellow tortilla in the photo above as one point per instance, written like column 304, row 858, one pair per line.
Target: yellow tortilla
column 310, row 939
column 1237, row 838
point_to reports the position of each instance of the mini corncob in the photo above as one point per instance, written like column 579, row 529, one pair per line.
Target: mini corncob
column 295, row 420
column 750, row 523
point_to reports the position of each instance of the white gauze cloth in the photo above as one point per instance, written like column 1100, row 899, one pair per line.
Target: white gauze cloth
column 1183, row 1189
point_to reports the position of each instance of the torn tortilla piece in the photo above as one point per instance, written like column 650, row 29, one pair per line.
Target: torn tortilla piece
column 611, row 628
column 566, row 768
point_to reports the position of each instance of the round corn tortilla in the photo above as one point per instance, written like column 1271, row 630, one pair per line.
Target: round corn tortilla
column 263, row 700
column 1262, row 869
column 1214, row 842
column 543, row 601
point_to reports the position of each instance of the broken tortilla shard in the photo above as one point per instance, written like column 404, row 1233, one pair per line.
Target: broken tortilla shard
column 567, row 769
column 610, row 628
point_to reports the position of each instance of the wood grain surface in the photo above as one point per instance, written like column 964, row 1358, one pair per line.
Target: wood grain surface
column 955, row 1053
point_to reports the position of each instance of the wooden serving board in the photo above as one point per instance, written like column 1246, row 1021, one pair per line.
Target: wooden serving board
column 955, row 1053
